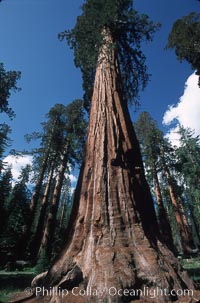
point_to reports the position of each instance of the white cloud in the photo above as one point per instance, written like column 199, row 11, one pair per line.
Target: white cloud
column 17, row 163
column 72, row 190
column 186, row 112
column 72, row 178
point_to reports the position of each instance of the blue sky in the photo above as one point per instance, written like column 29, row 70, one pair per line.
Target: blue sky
column 168, row 74
column 28, row 35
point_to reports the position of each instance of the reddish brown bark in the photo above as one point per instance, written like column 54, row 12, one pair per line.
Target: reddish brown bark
column 113, row 237
column 35, row 245
column 180, row 217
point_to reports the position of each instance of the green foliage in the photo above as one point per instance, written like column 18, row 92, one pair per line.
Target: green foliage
column 178, row 170
column 4, row 141
column 61, row 149
column 17, row 216
column 5, row 189
column 156, row 150
column 185, row 39
column 76, row 126
column 191, row 263
column 152, row 141
column 5, row 184
column 128, row 29
column 150, row 138
column 189, row 156
column 188, row 165
column 8, row 82
column 63, row 123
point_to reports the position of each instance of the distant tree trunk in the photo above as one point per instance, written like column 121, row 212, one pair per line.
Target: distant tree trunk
column 196, row 212
column 179, row 215
column 41, row 221
column 63, row 209
column 186, row 225
column 34, row 200
column 43, row 167
column 162, row 214
column 195, row 228
column 113, row 233
column 63, row 206
column 47, row 238
column 38, row 186
column 37, row 190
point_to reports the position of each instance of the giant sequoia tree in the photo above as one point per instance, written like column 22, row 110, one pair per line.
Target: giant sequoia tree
column 113, row 238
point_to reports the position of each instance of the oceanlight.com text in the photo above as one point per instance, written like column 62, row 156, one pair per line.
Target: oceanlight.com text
column 113, row 291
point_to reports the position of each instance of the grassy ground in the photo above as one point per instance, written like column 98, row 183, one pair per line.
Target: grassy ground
column 193, row 268
column 191, row 263
column 17, row 281
column 11, row 282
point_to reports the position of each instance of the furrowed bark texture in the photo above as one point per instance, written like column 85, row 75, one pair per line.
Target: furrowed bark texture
column 112, row 239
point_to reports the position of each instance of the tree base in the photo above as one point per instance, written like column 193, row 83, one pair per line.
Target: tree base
column 156, row 283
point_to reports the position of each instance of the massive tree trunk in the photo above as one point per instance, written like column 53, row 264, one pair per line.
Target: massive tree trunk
column 113, row 237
